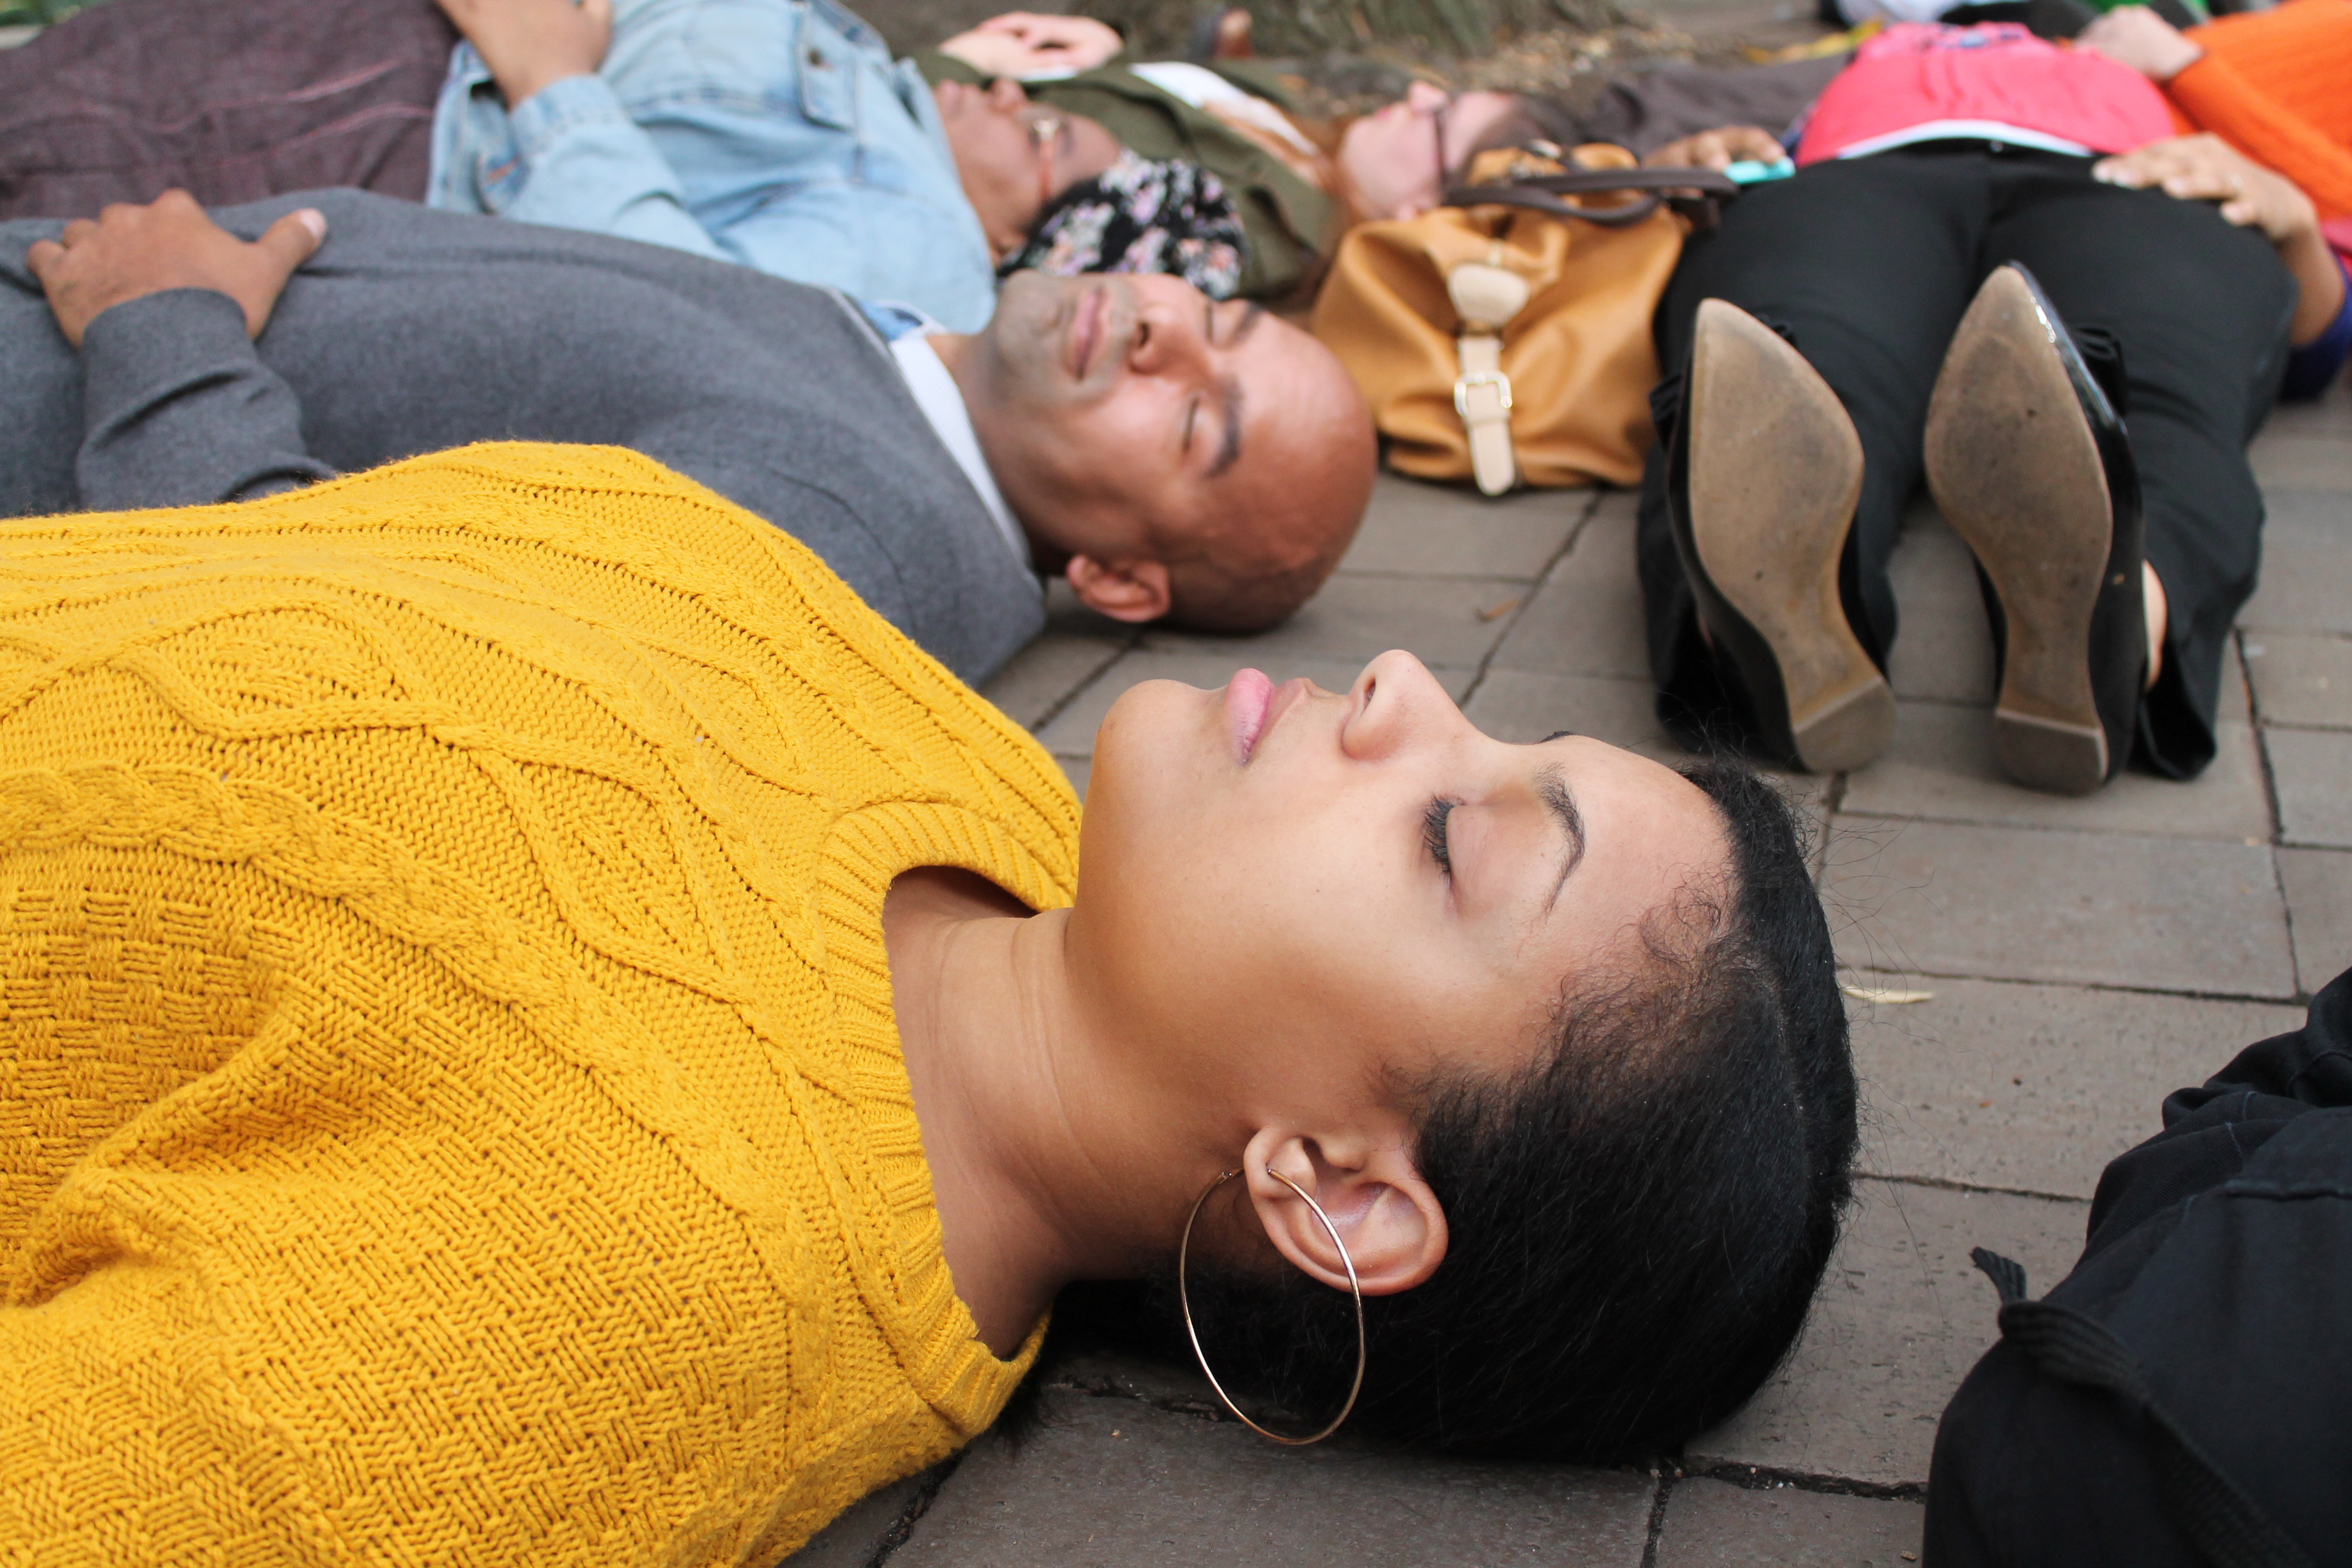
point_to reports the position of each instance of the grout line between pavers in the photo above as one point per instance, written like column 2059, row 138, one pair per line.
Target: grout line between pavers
column 902, row 1529
column 1535, row 587
column 1772, row 1478
column 2240, row 839
column 1665, row 1476
column 1952, row 1184
column 1056, row 708
column 2118, row 987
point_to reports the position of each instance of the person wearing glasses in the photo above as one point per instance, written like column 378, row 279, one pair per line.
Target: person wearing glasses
column 1298, row 181
column 780, row 134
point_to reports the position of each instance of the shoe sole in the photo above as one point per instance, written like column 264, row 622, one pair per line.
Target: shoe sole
column 2016, row 470
column 1775, row 471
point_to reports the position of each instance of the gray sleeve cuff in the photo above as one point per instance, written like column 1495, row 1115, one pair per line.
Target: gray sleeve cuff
column 179, row 410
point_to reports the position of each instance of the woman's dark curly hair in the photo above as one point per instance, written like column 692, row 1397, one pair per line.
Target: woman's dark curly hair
column 1638, row 1218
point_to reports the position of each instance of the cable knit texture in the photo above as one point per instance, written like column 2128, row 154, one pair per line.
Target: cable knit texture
column 450, row 1105
column 2278, row 84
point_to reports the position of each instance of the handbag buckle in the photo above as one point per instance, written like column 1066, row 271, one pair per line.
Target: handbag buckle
column 1494, row 378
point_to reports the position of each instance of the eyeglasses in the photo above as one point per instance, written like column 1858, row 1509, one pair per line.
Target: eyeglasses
column 1044, row 131
column 1437, row 125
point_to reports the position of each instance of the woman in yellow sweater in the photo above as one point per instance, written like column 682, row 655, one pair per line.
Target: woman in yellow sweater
column 539, row 1030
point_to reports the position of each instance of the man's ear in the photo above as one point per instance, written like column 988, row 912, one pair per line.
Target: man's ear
column 1124, row 590
column 1392, row 1224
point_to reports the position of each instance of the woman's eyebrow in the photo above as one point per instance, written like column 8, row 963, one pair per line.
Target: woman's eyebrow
column 1553, row 791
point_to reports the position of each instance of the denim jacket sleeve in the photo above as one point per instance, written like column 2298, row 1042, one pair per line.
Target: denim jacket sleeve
column 775, row 134
column 588, row 165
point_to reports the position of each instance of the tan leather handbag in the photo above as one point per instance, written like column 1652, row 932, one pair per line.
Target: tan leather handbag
column 1506, row 337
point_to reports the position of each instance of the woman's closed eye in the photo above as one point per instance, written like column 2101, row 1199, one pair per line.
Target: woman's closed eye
column 1433, row 833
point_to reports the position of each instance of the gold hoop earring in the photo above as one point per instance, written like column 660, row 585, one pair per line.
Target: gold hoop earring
column 1184, row 1299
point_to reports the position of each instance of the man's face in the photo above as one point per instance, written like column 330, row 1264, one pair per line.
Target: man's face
column 1132, row 416
column 1014, row 156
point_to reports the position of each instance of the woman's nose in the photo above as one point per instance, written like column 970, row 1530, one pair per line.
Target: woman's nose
column 1398, row 707
column 1005, row 95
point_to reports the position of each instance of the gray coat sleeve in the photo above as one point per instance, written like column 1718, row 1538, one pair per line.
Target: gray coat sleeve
column 179, row 410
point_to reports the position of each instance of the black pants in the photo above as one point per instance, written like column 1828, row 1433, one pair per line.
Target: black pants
column 1868, row 264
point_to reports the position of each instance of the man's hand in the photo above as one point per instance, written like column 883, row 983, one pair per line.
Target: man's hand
column 528, row 44
column 2139, row 37
column 1719, row 150
column 131, row 252
column 1022, row 43
column 2207, row 169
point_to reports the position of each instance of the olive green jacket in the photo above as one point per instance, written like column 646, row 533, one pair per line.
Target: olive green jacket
column 1288, row 225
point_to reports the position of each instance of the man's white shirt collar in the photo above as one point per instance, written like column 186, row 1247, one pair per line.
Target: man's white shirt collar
column 941, row 401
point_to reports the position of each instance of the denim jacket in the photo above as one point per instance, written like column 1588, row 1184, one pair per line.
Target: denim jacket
column 774, row 133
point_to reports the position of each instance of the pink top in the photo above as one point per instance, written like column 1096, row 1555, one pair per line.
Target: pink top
column 1968, row 81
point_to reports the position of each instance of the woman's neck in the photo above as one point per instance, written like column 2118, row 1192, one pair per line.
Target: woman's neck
column 1041, row 1161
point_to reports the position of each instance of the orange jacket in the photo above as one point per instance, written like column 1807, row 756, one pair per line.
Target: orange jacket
column 2277, row 85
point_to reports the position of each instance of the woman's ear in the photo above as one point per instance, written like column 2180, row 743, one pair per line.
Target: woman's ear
column 1391, row 1223
column 1123, row 590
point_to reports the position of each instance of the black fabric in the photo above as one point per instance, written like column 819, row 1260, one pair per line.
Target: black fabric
column 2184, row 1397
column 1645, row 110
column 1866, row 266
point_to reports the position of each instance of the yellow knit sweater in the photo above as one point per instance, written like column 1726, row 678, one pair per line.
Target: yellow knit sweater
column 450, row 1105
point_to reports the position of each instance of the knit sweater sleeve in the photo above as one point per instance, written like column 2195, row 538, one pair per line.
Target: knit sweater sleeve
column 178, row 408
column 450, row 1098
column 2217, row 97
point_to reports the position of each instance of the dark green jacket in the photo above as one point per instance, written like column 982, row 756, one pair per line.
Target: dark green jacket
column 1288, row 225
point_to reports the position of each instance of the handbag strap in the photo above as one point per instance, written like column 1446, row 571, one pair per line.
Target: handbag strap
column 2229, row 1527
column 1696, row 193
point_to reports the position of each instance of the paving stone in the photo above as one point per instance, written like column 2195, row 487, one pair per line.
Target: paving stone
column 1080, row 770
column 2297, row 462
column 2302, row 680
column 1045, row 672
column 1901, row 1317
column 1125, row 1485
column 1517, row 705
column 1711, row 1523
column 862, row 1530
column 1445, row 620
column 1072, row 733
column 1943, row 646
column 1438, row 531
column 2307, row 560
column 1941, row 765
column 2311, row 770
column 2102, row 908
column 2033, row 1087
column 1586, row 619
column 2327, row 415
column 2318, row 884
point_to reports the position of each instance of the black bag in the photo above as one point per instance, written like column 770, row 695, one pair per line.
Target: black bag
column 2184, row 1397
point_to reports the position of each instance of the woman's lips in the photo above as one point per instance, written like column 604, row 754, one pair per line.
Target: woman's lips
column 1248, row 696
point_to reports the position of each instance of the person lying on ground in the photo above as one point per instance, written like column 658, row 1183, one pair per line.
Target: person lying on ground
column 1947, row 164
column 622, row 1052
column 295, row 96
column 1168, row 454
column 1298, row 181
column 2275, row 84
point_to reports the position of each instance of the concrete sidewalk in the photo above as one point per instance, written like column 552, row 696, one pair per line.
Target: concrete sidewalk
column 2084, row 957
